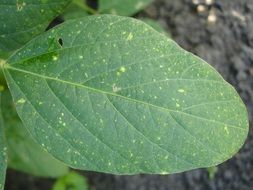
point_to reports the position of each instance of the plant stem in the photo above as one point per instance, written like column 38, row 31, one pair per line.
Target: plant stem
column 2, row 62
column 85, row 7
column 2, row 78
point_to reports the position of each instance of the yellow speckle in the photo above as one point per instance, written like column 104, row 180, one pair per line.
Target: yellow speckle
column 181, row 90
column 21, row 101
column 20, row 6
column 55, row 58
column 130, row 36
column 122, row 69
column 115, row 88
column 177, row 105
column 226, row 130
column 80, row 57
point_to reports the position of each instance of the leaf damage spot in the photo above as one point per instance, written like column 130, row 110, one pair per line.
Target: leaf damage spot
column 55, row 58
column 115, row 88
column 130, row 36
column 122, row 69
column 20, row 5
column 226, row 130
column 181, row 90
column 60, row 42
column 21, row 101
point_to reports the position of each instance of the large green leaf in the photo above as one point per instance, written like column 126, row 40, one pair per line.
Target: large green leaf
column 119, row 97
column 23, row 153
column 122, row 7
column 21, row 20
column 3, row 155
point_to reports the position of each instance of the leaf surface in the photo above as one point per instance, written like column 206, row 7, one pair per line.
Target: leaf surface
column 23, row 153
column 122, row 7
column 3, row 149
column 21, row 20
column 117, row 96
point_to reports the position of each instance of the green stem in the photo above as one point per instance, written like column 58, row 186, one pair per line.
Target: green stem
column 85, row 7
column 2, row 78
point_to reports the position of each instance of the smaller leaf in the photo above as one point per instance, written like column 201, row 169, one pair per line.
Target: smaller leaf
column 212, row 171
column 3, row 155
column 74, row 11
column 73, row 181
column 122, row 7
column 24, row 154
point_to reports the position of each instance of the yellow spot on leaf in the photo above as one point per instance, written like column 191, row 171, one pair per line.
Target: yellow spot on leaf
column 115, row 88
column 21, row 101
column 130, row 36
column 20, row 5
column 226, row 130
column 55, row 58
column 181, row 90
column 122, row 69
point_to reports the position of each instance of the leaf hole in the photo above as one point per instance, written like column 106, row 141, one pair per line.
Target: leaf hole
column 60, row 42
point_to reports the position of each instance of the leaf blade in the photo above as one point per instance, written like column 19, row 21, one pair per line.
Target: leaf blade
column 162, row 85
column 3, row 155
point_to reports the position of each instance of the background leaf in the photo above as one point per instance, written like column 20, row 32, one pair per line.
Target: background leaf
column 3, row 149
column 73, row 181
column 119, row 97
column 21, row 20
column 74, row 11
column 122, row 7
column 23, row 153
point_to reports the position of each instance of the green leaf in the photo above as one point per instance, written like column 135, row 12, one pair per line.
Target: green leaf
column 73, row 12
column 121, row 98
column 3, row 155
column 23, row 153
column 73, row 181
column 122, row 7
column 21, row 20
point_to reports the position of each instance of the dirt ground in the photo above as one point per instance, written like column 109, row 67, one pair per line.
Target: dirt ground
column 227, row 44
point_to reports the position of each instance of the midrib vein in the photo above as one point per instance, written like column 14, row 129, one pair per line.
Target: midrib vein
column 9, row 67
